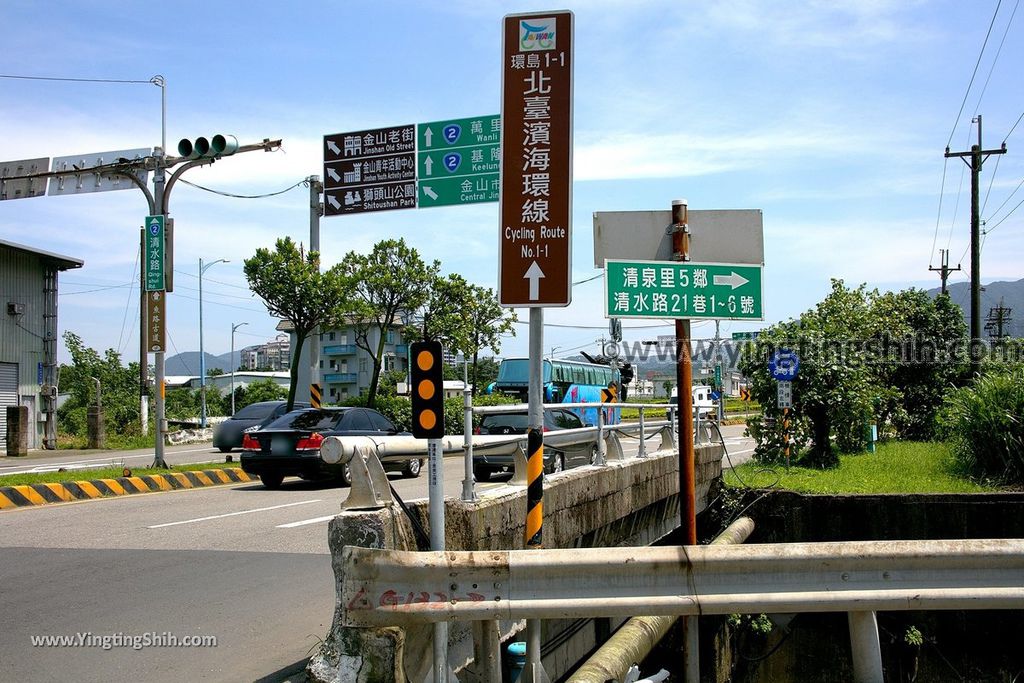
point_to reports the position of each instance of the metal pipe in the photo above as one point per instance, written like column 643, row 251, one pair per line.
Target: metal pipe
column 637, row 637
column 867, row 652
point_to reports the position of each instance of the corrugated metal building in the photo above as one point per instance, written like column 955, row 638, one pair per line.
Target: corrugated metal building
column 28, row 337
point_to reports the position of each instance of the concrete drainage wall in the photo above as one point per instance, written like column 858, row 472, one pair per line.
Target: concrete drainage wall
column 629, row 502
column 968, row 646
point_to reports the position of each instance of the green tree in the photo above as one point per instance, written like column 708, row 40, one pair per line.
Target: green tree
column 391, row 281
column 119, row 387
column 914, row 369
column 292, row 287
column 832, row 393
column 467, row 318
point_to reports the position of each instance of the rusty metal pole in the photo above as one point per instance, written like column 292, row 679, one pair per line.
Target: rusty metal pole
column 684, row 386
column 684, row 407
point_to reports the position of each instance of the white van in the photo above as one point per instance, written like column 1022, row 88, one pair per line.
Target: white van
column 703, row 404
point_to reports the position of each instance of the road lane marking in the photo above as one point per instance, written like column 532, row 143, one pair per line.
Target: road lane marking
column 232, row 514
column 304, row 522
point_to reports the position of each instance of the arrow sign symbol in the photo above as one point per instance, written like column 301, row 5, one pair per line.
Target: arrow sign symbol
column 334, row 202
column 534, row 274
column 429, row 192
column 428, row 136
column 333, row 147
column 429, row 164
column 334, row 174
column 734, row 279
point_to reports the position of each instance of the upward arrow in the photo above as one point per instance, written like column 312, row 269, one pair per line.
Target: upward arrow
column 534, row 274
column 333, row 147
column 427, row 135
column 429, row 163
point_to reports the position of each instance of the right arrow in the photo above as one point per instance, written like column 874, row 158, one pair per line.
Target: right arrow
column 534, row 274
column 734, row 279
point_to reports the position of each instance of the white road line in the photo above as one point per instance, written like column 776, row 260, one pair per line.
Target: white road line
column 304, row 522
column 232, row 514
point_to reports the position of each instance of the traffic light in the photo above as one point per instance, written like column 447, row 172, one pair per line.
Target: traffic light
column 427, row 390
column 212, row 148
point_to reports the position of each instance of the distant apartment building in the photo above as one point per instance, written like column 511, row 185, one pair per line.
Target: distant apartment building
column 274, row 355
column 346, row 369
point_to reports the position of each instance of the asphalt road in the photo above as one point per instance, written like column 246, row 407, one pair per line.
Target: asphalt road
column 243, row 564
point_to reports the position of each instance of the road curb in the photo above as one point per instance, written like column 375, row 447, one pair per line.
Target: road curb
column 29, row 495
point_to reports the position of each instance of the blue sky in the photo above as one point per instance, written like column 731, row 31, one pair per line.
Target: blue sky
column 831, row 117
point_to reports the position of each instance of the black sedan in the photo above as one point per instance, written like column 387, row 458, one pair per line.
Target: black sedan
column 580, row 452
column 290, row 445
column 228, row 434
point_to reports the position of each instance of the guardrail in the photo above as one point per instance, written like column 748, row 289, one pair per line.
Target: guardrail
column 396, row 588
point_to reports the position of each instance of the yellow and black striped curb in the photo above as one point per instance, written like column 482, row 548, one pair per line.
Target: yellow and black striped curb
column 26, row 495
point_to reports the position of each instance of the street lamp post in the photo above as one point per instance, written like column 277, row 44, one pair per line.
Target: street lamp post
column 234, row 327
column 202, row 352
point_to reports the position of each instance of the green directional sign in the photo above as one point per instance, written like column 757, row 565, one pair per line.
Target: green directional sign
column 464, row 190
column 458, row 161
column 743, row 336
column 682, row 289
column 155, row 253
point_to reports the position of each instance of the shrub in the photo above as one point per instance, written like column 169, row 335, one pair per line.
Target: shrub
column 984, row 424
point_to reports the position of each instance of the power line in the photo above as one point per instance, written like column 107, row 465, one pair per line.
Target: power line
column 242, row 196
column 77, row 80
column 998, row 51
column 975, row 73
column 1006, row 200
column 1012, row 127
column 989, row 230
column 127, row 304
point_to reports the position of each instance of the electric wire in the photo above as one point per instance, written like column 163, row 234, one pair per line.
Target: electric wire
column 1013, row 127
column 242, row 196
column 996, row 58
column 127, row 304
column 78, row 80
column 989, row 230
column 974, row 74
column 178, row 353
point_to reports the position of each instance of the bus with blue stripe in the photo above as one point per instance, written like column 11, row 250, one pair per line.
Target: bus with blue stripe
column 563, row 381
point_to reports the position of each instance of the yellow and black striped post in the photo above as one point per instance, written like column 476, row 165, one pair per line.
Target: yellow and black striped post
column 314, row 395
column 534, row 489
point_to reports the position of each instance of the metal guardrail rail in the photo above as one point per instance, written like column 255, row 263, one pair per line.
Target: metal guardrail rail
column 394, row 588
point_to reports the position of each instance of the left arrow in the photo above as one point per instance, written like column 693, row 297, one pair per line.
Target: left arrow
column 429, row 192
column 334, row 202
column 333, row 147
column 534, row 274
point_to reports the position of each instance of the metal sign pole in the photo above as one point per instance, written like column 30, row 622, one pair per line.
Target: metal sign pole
column 535, row 478
column 435, row 451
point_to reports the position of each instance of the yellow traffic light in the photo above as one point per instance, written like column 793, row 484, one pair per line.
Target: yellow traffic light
column 427, row 396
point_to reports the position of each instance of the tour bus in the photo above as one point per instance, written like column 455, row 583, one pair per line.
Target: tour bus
column 563, row 381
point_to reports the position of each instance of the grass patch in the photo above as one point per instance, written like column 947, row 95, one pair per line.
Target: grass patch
column 102, row 473
column 896, row 467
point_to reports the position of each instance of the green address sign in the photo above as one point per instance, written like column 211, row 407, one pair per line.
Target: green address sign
column 682, row 289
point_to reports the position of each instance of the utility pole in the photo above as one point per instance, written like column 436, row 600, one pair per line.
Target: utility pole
column 998, row 320
column 977, row 158
column 944, row 270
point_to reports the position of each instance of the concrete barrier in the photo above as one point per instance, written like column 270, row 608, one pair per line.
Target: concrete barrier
column 629, row 502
